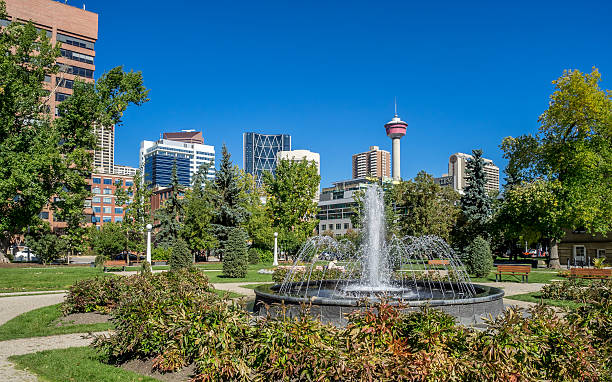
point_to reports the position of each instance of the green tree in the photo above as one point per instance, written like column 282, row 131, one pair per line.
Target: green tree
column 572, row 152
column 424, row 207
column 46, row 245
column 258, row 224
column 478, row 259
column 180, row 256
column 136, row 203
column 476, row 210
column 235, row 258
column 229, row 200
column 170, row 216
column 199, row 208
column 107, row 241
column 292, row 204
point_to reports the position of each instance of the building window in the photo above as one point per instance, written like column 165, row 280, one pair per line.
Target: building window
column 579, row 253
column 118, row 183
column 601, row 253
column 44, row 215
column 96, row 180
column 96, row 190
column 108, row 181
column 77, row 56
column 118, row 210
column 107, row 201
column 75, row 41
column 323, row 227
column 95, row 219
column 96, row 199
column 106, row 219
column 59, row 97
column 96, row 209
column 338, row 226
column 129, row 183
column 346, row 225
column 118, row 219
column 64, row 83
column 107, row 210
column 107, row 191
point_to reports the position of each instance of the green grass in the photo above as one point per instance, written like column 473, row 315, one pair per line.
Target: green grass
column 222, row 293
column 536, row 297
column 535, row 276
column 44, row 278
column 41, row 322
column 75, row 364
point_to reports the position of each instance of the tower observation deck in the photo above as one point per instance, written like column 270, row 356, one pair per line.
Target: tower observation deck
column 396, row 129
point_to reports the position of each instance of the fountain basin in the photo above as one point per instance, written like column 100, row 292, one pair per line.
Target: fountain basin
column 330, row 307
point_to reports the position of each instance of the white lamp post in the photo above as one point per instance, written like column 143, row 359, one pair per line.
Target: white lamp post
column 275, row 263
column 149, row 228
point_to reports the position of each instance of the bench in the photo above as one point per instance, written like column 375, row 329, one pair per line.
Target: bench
column 114, row 264
column 522, row 270
column 590, row 273
column 438, row 262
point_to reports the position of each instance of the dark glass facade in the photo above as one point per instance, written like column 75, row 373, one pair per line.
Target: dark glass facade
column 158, row 169
column 260, row 151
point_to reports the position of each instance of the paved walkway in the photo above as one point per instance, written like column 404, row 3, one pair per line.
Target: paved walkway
column 11, row 307
column 33, row 345
column 511, row 289
column 236, row 287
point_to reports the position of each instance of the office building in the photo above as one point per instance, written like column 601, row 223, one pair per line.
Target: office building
column 375, row 163
column 457, row 169
column 124, row 170
column 104, row 154
column 158, row 158
column 103, row 203
column 260, row 153
column 337, row 205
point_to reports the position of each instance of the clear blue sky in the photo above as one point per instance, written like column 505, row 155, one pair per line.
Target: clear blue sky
column 466, row 74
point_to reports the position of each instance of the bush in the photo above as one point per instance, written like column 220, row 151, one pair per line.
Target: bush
column 253, row 256
column 180, row 256
column 260, row 255
column 478, row 258
column 161, row 253
column 235, row 256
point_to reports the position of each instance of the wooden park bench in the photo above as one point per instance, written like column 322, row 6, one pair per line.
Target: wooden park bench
column 590, row 273
column 522, row 270
column 437, row 262
column 108, row 264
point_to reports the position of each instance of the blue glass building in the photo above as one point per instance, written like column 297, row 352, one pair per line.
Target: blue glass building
column 259, row 152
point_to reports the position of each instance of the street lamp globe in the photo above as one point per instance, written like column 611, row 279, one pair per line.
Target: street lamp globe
column 149, row 227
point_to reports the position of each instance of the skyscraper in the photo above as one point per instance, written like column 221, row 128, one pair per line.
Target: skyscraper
column 373, row 163
column 188, row 152
column 260, row 153
column 457, row 166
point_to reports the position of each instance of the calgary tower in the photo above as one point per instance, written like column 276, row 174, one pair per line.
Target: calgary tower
column 396, row 129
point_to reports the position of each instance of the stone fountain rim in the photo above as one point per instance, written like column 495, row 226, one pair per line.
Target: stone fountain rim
column 492, row 295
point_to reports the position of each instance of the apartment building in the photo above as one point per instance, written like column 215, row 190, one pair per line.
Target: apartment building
column 375, row 163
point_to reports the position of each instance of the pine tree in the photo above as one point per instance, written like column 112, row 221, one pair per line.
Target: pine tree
column 170, row 216
column 478, row 259
column 199, row 208
column 235, row 259
column 229, row 212
column 180, row 256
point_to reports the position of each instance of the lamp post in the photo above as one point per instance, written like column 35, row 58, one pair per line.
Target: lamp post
column 149, row 228
column 275, row 263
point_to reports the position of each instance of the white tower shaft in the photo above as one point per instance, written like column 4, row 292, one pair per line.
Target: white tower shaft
column 396, row 159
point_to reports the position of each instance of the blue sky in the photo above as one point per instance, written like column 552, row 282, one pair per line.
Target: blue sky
column 466, row 74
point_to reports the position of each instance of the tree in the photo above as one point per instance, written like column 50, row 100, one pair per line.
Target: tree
column 199, row 208
column 46, row 245
column 235, row 258
column 107, row 241
column 258, row 224
column 136, row 203
column 475, row 204
column 572, row 153
column 292, row 204
column 478, row 259
column 180, row 256
column 424, row 207
column 229, row 200
column 170, row 216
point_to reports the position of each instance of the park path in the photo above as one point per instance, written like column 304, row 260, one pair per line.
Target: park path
column 512, row 288
column 237, row 287
column 8, row 372
column 11, row 307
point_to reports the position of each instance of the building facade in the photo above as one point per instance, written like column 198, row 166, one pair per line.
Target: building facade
column 457, row 169
column 159, row 157
column 104, row 154
column 337, row 206
column 260, row 153
column 103, row 203
column 579, row 248
column 374, row 163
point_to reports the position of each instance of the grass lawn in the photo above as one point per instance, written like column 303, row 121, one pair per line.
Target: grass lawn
column 252, row 275
column 41, row 322
column 44, row 278
column 75, row 364
column 537, row 298
column 535, row 276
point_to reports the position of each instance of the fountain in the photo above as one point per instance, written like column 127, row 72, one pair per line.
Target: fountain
column 335, row 277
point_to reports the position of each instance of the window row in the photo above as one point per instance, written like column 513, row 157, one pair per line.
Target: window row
column 77, row 56
column 60, row 97
column 75, row 41
column 106, row 191
column 64, row 83
column 76, row 70
column 338, row 226
column 106, row 219
column 108, row 210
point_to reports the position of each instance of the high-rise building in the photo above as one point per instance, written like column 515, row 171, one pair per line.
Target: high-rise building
column 260, row 153
column 337, row 205
column 104, row 154
column 457, row 166
column 374, row 163
column 103, row 203
column 159, row 157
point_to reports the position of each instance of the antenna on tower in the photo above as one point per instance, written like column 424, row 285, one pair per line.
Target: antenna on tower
column 395, row 98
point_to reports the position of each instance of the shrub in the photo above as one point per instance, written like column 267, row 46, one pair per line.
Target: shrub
column 161, row 254
column 180, row 256
column 253, row 255
column 235, row 257
column 478, row 258
column 260, row 255
column 280, row 273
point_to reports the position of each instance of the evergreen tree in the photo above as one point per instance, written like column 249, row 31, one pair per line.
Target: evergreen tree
column 199, row 208
column 475, row 204
column 235, row 259
column 180, row 256
column 136, row 202
column 229, row 200
column 478, row 259
column 170, row 216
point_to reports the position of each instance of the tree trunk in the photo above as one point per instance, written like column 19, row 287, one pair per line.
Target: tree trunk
column 554, row 255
